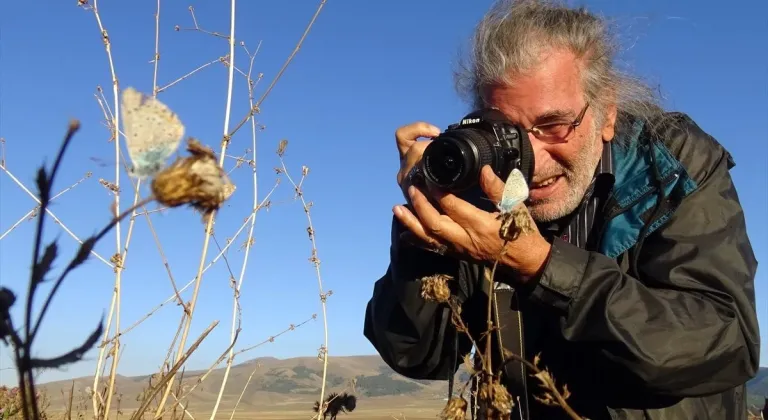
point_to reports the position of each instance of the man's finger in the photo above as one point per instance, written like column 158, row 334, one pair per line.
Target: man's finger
column 414, row 226
column 407, row 135
column 460, row 211
column 436, row 225
column 492, row 185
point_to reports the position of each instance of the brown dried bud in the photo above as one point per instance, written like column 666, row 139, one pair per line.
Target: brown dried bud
column 196, row 180
column 435, row 288
column 456, row 409
column 502, row 401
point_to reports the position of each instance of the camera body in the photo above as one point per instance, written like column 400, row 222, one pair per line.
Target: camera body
column 453, row 160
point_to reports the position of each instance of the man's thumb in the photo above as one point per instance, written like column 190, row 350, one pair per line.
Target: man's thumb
column 491, row 184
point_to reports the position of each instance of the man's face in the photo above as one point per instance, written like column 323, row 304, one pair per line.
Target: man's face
column 553, row 92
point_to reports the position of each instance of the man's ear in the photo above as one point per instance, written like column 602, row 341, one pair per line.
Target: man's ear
column 609, row 124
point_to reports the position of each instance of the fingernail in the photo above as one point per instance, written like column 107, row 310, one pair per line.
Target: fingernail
column 398, row 211
column 411, row 191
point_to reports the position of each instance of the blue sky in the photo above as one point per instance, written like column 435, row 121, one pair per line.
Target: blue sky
column 366, row 68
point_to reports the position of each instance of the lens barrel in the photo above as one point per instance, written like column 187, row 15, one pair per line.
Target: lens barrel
column 454, row 159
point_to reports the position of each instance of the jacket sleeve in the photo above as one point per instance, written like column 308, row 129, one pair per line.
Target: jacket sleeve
column 688, row 325
column 414, row 336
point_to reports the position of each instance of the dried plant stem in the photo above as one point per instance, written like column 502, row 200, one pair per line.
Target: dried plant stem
column 316, row 262
column 53, row 216
column 166, row 87
column 116, row 298
column 169, row 376
column 186, row 286
column 157, row 49
column 234, row 410
column 254, row 210
column 255, row 108
column 222, row 154
column 271, row 339
column 199, row 381
column 30, row 214
column 546, row 380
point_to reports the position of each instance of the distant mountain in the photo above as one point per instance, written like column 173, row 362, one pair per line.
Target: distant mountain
column 757, row 388
column 271, row 381
column 295, row 381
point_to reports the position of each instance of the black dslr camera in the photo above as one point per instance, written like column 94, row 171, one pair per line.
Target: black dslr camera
column 453, row 160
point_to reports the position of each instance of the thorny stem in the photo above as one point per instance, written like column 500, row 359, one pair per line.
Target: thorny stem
column 237, row 287
column 211, row 215
column 31, row 213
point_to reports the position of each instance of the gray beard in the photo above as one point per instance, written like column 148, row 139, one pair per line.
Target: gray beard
column 578, row 175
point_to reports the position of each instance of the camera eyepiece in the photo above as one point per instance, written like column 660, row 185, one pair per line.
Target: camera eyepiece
column 453, row 160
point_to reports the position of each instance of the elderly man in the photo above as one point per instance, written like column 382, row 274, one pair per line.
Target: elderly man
column 637, row 289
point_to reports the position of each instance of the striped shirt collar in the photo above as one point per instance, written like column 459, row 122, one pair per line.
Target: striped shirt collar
column 576, row 227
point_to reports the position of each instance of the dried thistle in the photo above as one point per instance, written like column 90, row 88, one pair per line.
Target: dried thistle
column 435, row 288
column 515, row 223
column 196, row 180
column 456, row 409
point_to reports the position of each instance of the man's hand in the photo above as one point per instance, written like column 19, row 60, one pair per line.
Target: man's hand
column 469, row 232
column 410, row 149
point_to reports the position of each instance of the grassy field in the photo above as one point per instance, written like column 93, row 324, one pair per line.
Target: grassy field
column 369, row 409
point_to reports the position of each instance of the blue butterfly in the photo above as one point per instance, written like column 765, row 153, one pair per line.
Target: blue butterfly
column 515, row 192
column 152, row 131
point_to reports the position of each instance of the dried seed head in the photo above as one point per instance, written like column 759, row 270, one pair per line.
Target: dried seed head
column 501, row 399
column 196, row 180
column 435, row 288
column 456, row 409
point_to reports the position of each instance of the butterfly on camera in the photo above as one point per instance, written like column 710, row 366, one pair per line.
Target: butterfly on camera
column 514, row 220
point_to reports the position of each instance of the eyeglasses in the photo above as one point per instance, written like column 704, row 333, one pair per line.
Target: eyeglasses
column 556, row 132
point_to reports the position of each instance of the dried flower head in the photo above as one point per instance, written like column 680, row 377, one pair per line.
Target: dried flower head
column 456, row 409
column 494, row 399
column 435, row 288
column 196, row 180
column 515, row 223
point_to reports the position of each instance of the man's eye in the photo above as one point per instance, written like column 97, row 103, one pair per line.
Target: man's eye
column 553, row 128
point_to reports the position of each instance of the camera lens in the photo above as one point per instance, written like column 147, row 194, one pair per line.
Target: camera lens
column 453, row 160
column 446, row 160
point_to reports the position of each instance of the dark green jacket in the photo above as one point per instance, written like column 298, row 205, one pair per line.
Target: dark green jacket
column 675, row 339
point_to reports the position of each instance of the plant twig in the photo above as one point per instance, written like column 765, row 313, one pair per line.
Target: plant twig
column 116, row 296
column 209, row 222
column 32, row 213
column 237, row 287
column 314, row 259
column 169, row 376
column 53, row 216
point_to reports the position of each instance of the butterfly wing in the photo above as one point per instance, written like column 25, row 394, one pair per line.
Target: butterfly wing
column 152, row 131
column 515, row 191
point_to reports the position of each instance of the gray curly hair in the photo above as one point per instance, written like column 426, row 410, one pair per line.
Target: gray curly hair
column 508, row 39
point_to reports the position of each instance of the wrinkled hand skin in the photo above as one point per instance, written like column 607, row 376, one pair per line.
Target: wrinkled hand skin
column 472, row 233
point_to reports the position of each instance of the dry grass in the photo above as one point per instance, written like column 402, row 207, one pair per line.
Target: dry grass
column 168, row 393
column 164, row 395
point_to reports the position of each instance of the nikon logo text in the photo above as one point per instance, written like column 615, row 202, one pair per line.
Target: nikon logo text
column 470, row 121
